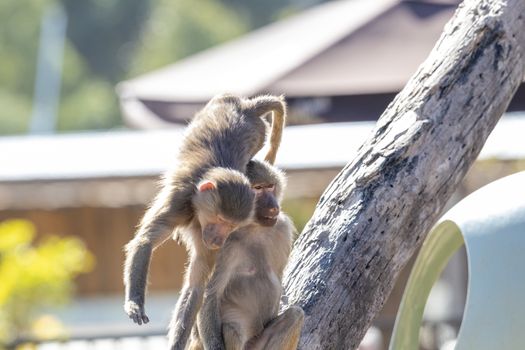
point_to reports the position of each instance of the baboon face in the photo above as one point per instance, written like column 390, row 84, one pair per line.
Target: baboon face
column 216, row 230
column 266, row 205
column 213, row 211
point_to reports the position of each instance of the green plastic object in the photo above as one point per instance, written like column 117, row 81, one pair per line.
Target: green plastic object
column 491, row 224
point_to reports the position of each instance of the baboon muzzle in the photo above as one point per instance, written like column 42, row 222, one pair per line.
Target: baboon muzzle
column 214, row 235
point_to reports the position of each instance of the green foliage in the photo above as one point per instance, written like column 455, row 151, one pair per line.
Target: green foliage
column 105, row 33
column 177, row 29
column 109, row 41
column 15, row 112
column 259, row 13
column 93, row 98
column 33, row 276
column 18, row 36
column 300, row 210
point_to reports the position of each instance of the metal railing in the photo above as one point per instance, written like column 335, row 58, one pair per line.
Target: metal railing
column 98, row 339
column 155, row 338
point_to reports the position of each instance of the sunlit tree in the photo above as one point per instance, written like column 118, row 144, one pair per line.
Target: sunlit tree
column 35, row 275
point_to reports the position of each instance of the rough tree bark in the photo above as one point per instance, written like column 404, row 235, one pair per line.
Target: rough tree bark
column 379, row 208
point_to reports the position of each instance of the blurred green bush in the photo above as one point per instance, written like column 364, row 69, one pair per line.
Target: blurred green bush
column 33, row 276
column 107, row 42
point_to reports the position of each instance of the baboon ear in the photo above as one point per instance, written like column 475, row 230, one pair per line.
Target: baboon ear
column 206, row 186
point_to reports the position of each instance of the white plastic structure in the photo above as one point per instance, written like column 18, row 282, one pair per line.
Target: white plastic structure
column 491, row 224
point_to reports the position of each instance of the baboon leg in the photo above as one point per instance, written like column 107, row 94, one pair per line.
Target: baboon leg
column 232, row 337
column 282, row 333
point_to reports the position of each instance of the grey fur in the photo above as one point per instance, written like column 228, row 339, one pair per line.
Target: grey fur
column 241, row 302
column 218, row 144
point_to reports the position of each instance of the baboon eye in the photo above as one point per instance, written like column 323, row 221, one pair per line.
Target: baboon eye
column 258, row 187
column 271, row 187
column 223, row 221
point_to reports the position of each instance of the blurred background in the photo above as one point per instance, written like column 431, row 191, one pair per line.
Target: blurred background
column 95, row 96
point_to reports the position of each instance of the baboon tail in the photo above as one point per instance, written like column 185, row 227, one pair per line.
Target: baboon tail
column 276, row 105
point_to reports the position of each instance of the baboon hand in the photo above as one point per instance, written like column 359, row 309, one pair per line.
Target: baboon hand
column 136, row 311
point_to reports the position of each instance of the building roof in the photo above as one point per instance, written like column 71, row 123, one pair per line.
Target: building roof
column 254, row 61
column 114, row 169
column 338, row 48
column 378, row 56
column 128, row 154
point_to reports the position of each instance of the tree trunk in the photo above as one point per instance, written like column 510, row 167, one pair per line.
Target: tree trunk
column 378, row 210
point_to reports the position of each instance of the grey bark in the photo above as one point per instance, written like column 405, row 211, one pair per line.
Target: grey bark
column 378, row 210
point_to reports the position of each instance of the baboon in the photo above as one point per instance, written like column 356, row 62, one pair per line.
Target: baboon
column 208, row 195
column 241, row 300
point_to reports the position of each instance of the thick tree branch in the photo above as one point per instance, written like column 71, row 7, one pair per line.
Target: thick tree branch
column 379, row 208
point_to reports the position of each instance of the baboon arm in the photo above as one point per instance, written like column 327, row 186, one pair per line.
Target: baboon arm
column 135, row 279
column 209, row 324
column 189, row 301
column 209, row 321
column 156, row 226
column 184, row 317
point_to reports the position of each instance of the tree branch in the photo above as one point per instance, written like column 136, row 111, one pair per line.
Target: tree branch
column 378, row 210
